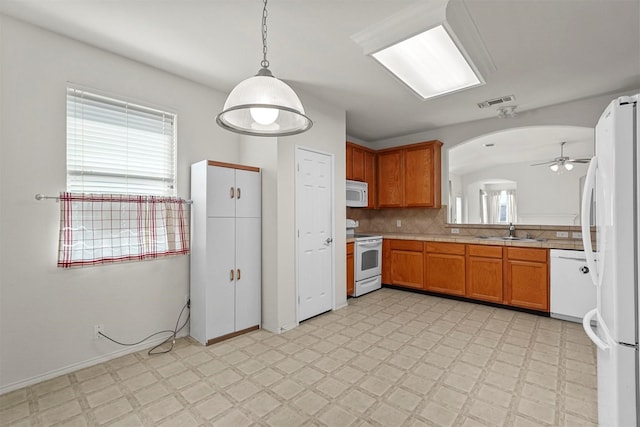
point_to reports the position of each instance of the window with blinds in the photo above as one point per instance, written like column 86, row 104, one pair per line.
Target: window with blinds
column 118, row 147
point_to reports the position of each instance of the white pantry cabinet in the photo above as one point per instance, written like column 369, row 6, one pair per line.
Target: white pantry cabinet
column 226, row 250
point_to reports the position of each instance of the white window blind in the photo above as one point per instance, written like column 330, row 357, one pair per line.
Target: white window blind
column 117, row 147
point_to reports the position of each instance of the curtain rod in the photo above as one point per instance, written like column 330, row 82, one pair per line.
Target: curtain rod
column 57, row 199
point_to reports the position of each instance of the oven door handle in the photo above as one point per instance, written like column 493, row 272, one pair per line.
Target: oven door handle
column 369, row 243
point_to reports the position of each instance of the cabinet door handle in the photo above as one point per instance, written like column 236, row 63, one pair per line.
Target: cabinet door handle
column 238, row 274
column 231, row 275
column 238, row 193
column 232, row 192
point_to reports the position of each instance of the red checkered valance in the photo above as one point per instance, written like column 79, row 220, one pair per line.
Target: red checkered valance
column 106, row 228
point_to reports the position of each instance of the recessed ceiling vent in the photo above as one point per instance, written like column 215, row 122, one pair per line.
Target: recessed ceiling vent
column 496, row 101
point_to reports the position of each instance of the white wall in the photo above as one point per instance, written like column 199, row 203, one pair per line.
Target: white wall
column 276, row 157
column 263, row 153
column 46, row 313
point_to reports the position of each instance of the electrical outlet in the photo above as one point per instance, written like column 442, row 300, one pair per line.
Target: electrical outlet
column 563, row 234
column 96, row 331
column 576, row 235
column 455, row 231
column 398, row 223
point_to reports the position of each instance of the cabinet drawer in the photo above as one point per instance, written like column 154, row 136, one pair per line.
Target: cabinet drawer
column 484, row 251
column 406, row 245
column 527, row 254
column 445, row 248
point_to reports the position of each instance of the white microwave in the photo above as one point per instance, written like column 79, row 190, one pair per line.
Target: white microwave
column 357, row 194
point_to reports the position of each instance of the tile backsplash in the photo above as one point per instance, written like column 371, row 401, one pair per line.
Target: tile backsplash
column 434, row 222
column 412, row 220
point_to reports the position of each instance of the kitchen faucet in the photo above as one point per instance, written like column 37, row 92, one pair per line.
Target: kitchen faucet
column 512, row 230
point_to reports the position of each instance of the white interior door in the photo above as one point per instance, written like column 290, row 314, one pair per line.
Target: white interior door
column 314, row 213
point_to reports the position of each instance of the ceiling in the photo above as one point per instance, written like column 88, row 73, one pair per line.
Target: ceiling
column 543, row 52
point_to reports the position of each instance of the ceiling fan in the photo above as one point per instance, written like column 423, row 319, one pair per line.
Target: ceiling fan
column 562, row 161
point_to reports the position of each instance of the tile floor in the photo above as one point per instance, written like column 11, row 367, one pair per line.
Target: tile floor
column 391, row 358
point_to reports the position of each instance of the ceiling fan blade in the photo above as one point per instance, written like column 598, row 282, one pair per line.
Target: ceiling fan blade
column 543, row 163
column 578, row 160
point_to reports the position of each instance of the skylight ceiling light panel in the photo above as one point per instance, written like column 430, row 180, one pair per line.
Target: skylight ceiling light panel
column 429, row 63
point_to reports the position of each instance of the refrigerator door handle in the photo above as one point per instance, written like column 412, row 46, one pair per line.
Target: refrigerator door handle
column 585, row 218
column 586, row 325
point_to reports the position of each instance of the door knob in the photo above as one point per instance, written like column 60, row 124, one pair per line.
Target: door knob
column 584, row 269
column 328, row 241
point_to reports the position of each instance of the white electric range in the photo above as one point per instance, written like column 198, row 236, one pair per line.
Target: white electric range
column 367, row 260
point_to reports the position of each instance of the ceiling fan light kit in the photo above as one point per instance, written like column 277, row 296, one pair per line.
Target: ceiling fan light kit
column 562, row 163
column 262, row 105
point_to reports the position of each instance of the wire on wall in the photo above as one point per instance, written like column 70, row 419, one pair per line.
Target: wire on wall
column 171, row 337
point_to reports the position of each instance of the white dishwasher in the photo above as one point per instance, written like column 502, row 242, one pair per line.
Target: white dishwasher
column 572, row 291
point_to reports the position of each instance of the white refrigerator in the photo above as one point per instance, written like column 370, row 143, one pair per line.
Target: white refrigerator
column 613, row 324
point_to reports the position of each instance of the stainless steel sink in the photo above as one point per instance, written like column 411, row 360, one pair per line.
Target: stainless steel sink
column 508, row 239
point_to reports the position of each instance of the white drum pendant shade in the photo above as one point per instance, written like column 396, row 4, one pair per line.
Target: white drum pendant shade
column 262, row 105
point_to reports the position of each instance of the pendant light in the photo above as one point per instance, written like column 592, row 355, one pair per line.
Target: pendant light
column 262, row 105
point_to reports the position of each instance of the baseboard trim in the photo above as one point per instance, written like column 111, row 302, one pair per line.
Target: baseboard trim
column 82, row 365
column 346, row 304
column 232, row 334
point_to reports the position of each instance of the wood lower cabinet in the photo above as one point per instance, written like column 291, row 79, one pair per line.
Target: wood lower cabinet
column 444, row 267
column 406, row 260
column 350, row 271
column 386, row 261
column 515, row 276
column 526, row 272
column 484, row 273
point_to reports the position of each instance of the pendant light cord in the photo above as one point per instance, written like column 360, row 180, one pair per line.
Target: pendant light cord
column 265, row 62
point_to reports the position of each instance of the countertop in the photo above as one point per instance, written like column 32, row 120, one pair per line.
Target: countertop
column 548, row 244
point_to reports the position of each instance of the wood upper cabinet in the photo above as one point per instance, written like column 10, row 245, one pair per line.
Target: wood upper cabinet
column 361, row 166
column 484, row 273
column 390, row 179
column 406, row 260
column 370, row 176
column 410, row 176
column 526, row 272
column 422, row 175
column 355, row 161
column 444, row 265
column 358, row 164
column 350, row 271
